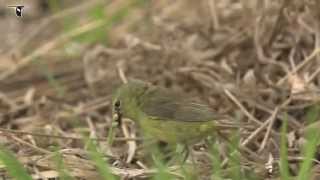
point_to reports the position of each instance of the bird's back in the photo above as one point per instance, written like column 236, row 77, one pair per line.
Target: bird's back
column 171, row 106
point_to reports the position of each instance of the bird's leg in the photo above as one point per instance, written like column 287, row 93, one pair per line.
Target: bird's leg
column 190, row 170
column 165, row 149
column 160, row 149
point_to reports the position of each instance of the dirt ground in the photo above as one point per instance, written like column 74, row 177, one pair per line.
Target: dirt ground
column 254, row 60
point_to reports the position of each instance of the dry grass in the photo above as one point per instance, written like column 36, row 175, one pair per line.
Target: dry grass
column 255, row 60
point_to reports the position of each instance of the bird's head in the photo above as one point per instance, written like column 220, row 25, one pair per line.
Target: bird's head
column 126, row 99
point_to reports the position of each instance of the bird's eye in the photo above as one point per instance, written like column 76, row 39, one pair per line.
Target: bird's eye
column 117, row 104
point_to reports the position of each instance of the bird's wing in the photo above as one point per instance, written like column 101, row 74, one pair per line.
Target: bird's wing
column 164, row 105
column 191, row 111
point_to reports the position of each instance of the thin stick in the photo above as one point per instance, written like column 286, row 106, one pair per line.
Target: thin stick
column 93, row 132
column 241, row 149
column 255, row 133
column 301, row 65
column 243, row 109
column 51, row 45
column 132, row 145
column 121, row 72
column 313, row 75
column 64, row 137
column 30, row 145
column 214, row 13
column 51, row 19
column 262, row 127
column 271, row 122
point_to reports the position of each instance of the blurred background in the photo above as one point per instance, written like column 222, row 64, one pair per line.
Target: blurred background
column 61, row 60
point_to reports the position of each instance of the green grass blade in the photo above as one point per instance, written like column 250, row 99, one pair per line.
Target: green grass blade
column 313, row 114
column 235, row 163
column 309, row 152
column 54, row 6
column 312, row 138
column 216, row 162
column 158, row 158
column 284, row 166
column 99, row 162
column 14, row 167
column 100, row 34
column 162, row 170
column 61, row 168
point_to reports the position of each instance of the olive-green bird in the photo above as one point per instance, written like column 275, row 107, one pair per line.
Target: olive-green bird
column 165, row 115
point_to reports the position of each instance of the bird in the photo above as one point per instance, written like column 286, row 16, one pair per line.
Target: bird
column 18, row 9
column 165, row 115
